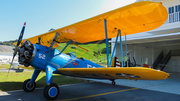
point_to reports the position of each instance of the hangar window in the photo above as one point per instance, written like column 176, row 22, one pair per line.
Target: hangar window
column 177, row 13
column 174, row 14
column 171, row 14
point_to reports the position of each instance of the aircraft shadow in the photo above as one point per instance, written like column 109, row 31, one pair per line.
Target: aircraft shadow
column 9, row 86
column 41, row 83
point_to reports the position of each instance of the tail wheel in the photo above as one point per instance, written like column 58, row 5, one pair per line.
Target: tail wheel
column 51, row 91
column 113, row 83
column 29, row 86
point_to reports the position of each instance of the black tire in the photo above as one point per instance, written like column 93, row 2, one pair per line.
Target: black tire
column 113, row 83
column 28, row 86
column 51, row 91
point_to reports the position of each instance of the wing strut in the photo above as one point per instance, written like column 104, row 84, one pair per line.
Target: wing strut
column 126, row 49
column 107, row 48
column 119, row 31
column 53, row 41
column 114, row 49
column 65, row 47
column 39, row 41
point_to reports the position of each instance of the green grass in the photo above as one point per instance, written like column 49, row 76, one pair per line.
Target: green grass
column 2, row 66
column 6, row 66
column 78, row 52
column 15, row 80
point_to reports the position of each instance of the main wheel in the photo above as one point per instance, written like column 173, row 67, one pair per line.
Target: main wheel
column 51, row 91
column 28, row 86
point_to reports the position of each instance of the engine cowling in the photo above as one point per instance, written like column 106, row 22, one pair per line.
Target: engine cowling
column 26, row 53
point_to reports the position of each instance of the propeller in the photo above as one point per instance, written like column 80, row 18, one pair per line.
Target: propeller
column 17, row 46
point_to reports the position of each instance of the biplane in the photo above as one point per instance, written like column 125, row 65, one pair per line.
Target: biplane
column 40, row 51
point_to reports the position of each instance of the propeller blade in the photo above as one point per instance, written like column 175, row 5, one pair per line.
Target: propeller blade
column 21, row 35
column 10, row 66
column 17, row 46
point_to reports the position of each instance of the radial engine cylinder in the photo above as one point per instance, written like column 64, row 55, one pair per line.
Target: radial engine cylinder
column 26, row 53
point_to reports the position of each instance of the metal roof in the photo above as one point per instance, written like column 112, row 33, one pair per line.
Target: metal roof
column 6, row 49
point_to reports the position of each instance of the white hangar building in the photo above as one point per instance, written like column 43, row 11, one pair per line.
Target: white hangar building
column 159, row 48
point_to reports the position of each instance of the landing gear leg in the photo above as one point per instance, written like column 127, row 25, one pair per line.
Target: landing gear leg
column 113, row 81
column 29, row 85
column 51, row 90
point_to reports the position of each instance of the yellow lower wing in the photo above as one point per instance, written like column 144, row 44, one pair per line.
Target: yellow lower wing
column 137, row 73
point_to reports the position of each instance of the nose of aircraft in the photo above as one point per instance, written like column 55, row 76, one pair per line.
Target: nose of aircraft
column 26, row 53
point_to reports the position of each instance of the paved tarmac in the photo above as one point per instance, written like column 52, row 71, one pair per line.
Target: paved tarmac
column 102, row 90
column 170, row 85
column 94, row 91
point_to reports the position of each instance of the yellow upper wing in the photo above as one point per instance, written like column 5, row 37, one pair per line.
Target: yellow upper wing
column 134, row 18
column 137, row 73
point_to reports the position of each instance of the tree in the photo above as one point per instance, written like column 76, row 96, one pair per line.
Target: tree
column 97, row 54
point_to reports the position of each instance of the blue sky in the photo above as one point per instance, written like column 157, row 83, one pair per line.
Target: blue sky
column 42, row 15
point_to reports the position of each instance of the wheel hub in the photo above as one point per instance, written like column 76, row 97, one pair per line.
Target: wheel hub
column 30, row 86
column 52, row 92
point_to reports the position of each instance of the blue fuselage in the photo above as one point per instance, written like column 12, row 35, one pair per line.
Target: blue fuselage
column 44, row 57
